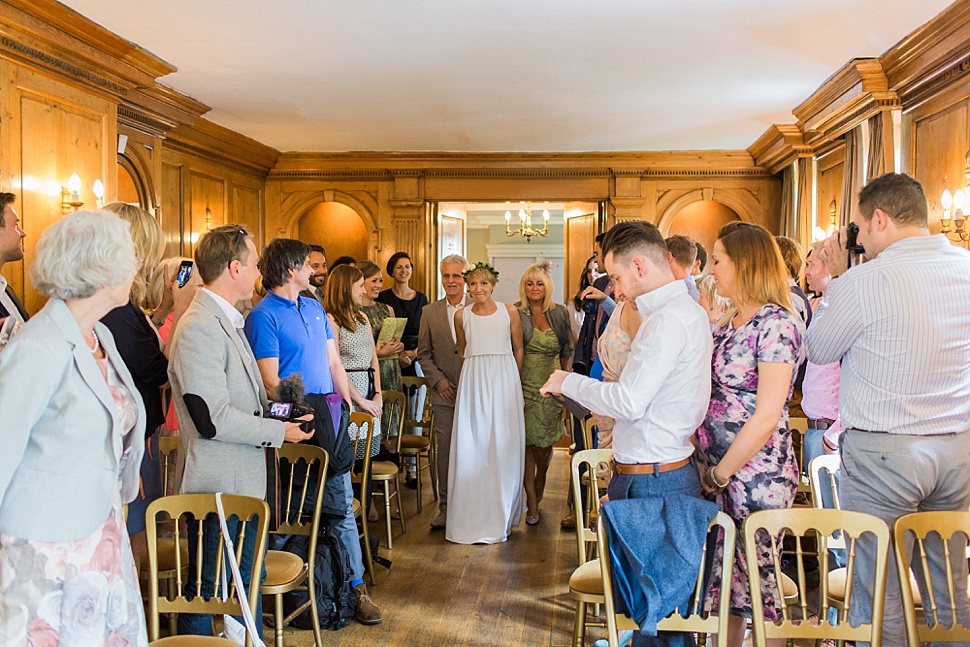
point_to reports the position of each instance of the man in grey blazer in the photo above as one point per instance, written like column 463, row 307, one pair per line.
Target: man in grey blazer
column 438, row 357
column 219, row 397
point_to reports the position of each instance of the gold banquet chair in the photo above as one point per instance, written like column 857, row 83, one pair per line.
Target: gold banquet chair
column 285, row 571
column 794, row 623
column 364, row 424
column 923, row 617
column 178, row 509
column 586, row 582
column 413, row 446
column 698, row 621
column 384, row 472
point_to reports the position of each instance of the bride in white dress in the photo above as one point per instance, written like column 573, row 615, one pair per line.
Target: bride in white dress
column 485, row 496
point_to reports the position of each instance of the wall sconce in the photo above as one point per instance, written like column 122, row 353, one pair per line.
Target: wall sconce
column 71, row 195
column 957, row 200
column 98, row 189
column 525, row 223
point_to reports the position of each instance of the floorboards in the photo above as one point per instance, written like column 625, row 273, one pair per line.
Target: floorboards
column 438, row 593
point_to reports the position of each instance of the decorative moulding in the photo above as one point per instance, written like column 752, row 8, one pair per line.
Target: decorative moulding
column 212, row 141
column 779, row 146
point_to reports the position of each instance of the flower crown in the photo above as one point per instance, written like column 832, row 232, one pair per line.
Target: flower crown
column 480, row 266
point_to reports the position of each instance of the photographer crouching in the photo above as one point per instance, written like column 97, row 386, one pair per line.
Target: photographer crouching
column 900, row 325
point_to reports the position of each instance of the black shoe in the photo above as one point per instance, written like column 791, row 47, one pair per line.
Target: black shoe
column 411, row 483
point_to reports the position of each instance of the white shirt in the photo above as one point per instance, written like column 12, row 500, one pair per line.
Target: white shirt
column 8, row 304
column 238, row 321
column 900, row 323
column 664, row 388
column 451, row 316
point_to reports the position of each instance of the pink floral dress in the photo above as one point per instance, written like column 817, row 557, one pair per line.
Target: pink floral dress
column 613, row 348
column 82, row 592
column 769, row 480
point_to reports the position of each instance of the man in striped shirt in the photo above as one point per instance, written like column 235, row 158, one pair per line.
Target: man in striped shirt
column 900, row 324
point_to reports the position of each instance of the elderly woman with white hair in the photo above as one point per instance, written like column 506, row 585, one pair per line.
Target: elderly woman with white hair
column 71, row 448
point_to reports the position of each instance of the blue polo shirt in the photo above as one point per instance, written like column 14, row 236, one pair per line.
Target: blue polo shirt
column 296, row 336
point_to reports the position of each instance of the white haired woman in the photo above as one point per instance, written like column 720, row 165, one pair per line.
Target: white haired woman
column 71, row 447
column 548, row 342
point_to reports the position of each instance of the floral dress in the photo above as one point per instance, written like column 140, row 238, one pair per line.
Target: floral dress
column 613, row 350
column 770, row 478
column 356, row 348
column 81, row 592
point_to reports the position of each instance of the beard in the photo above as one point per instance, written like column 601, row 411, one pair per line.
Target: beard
column 318, row 280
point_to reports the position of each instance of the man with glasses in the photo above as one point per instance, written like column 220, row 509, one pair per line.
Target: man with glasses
column 220, row 400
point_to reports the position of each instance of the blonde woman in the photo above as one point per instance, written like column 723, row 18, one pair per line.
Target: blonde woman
column 548, row 344
column 713, row 303
column 488, row 437
column 744, row 449
column 144, row 355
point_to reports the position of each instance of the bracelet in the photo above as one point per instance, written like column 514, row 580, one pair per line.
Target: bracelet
column 713, row 479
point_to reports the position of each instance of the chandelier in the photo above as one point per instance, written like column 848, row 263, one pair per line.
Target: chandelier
column 525, row 223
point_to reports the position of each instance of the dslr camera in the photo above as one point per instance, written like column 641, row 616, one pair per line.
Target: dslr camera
column 291, row 404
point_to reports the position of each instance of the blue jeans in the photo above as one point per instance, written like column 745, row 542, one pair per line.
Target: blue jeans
column 643, row 486
column 339, row 495
column 200, row 624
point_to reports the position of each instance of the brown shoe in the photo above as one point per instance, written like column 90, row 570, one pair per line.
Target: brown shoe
column 368, row 613
column 569, row 521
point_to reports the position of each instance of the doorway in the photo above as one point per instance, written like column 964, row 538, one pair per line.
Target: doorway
column 701, row 221
column 337, row 228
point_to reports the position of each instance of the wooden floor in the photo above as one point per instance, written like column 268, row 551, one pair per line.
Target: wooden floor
column 439, row 593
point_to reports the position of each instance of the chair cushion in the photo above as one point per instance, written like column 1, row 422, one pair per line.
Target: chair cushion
column 383, row 469
column 413, row 443
column 192, row 641
column 281, row 567
column 788, row 587
column 166, row 554
column 837, row 586
column 587, row 578
column 356, row 508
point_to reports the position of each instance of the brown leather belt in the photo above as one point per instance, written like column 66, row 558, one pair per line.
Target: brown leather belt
column 649, row 468
column 820, row 423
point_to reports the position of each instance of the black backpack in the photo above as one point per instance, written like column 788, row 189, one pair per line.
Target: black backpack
column 336, row 602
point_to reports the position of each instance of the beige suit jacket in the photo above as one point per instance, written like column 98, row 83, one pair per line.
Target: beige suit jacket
column 437, row 350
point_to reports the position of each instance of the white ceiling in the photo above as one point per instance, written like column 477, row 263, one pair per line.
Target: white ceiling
column 506, row 75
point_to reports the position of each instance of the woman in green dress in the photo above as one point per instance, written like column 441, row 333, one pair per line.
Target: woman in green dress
column 387, row 353
column 549, row 345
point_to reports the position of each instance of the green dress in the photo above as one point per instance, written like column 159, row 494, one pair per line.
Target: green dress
column 389, row 366
column 543, row 416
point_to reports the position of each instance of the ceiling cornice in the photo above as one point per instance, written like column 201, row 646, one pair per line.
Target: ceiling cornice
column 779, row 146
column 212, row 141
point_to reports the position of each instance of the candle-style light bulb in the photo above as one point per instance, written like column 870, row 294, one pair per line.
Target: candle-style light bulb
column 545, row 215
column 959, row 200
column 74, row 184
column 98, row 189
column 508, row 217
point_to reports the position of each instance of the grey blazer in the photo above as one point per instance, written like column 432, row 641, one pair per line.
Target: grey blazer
column 219, row 400
column 61, row 448
column 437, row 351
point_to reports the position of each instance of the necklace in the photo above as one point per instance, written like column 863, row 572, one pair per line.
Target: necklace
column 97, row 342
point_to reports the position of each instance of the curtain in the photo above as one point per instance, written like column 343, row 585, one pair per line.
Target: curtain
column 877, row 161
column 851, row 175
column 788, row 227
column 803, row 210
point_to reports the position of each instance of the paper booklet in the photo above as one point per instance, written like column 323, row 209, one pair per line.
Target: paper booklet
column 392, row 328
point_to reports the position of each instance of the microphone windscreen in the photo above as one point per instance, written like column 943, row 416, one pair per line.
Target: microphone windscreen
column 290, row 388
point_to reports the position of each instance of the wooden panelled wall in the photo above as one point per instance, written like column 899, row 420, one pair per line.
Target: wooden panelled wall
column 68, row 88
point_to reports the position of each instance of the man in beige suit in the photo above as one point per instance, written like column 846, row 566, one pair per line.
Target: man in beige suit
column 438, row 357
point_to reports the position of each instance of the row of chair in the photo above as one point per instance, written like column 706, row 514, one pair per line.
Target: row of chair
column 819, row 529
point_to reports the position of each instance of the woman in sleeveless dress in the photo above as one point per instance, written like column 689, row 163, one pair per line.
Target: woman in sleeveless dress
column 487, row 458
column 613, row 349
column 351, row 331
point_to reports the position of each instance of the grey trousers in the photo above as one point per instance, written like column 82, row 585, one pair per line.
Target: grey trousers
column 888, row 476
column 444, row 420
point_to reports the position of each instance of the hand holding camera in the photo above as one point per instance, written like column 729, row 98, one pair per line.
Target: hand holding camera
column 842, row 250
column 292, row 410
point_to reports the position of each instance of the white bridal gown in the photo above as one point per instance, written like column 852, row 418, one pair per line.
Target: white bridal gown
column 485, row 497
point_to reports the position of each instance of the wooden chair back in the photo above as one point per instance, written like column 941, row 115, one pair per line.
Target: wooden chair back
column 585, row 528
column 168, row 448
column 179, row 509
column 768, row 527
column 304, row 466
column 589, row 432
column 395, row 408
column 945, row 534
column 822, row 472
column 364, row 424
column 416, row 417
column 698, row 620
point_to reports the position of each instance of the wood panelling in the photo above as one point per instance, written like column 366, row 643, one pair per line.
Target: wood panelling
column 940, row 142
column 172, row 208
column 51, row 130
column 701, row 221
column 337, row 227
column 580, row 234
column 829, row 186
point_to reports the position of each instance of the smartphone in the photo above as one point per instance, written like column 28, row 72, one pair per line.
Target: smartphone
column 185, row 272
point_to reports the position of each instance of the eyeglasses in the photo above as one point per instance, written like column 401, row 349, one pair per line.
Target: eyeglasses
column 236, row 239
